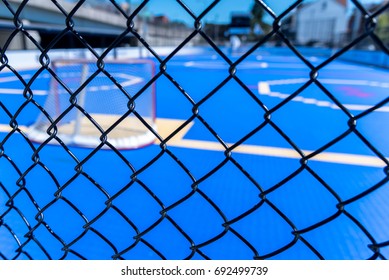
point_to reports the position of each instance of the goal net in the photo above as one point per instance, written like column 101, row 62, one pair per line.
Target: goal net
column 87, row 103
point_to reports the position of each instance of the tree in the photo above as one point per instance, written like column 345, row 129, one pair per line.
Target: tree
column 382, row 29
column 258, row 14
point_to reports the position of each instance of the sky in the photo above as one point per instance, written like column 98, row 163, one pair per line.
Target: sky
column 220, row 14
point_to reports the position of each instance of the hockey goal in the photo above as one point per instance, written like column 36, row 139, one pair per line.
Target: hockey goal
column 87, row 104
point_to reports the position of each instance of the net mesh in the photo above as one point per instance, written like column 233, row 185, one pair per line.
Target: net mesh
column 179, row 198
column 104, row 98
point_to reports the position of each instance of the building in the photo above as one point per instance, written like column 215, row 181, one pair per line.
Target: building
column 44, row 21
column 240, row 25
column 322, row 22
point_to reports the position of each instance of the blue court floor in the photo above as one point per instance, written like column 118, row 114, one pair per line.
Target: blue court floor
column 192, row 199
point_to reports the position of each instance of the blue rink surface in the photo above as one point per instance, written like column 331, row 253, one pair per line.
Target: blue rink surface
column 169, row 210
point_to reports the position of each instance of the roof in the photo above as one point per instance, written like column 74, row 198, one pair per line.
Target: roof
column 342, row 2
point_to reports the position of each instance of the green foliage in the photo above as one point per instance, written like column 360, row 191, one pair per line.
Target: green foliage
column 382, row 29
column 258, row 14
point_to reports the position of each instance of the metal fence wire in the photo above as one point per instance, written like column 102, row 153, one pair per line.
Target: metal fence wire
column 30, row 225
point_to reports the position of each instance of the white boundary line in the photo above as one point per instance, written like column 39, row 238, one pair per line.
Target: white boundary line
column 219, row 64
column 331, row 81
column 129, row 81
column 224, row 65
column 20, row 91
column 264, row 89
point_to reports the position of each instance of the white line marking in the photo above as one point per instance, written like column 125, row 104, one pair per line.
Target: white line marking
column 220, row 65
column 129, row 81
column 303, row 66
column 264, row 89
column 189, row 64
column 20, row 91
column 330, row 81
column 287, row 81
column 14, row 78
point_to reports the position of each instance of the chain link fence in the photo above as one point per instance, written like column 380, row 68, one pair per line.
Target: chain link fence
column 60, row 209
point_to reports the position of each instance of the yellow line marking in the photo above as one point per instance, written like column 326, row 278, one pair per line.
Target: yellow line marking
column 340, row 158
column 7, row 128
column 168, row 126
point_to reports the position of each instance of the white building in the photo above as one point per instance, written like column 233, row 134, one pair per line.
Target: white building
column 322, row 21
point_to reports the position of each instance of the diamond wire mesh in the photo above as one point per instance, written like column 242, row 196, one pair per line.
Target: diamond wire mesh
column 38, row 224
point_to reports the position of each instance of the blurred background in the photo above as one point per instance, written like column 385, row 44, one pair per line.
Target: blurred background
column 318, row 23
